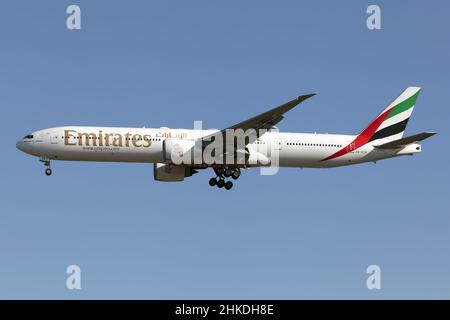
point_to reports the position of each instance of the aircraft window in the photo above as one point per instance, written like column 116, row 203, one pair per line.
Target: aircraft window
column 29, row 136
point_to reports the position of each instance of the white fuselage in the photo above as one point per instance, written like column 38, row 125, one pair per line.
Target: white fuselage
column 303, row 150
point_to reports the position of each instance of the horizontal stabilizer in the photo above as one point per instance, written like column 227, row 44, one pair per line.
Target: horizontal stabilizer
column 405, row 141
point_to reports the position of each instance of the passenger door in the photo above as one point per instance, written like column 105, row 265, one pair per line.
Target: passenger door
column 277, row 143
column 54, row 138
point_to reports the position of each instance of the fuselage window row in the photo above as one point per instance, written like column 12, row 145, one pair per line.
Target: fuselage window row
column 314, row 145
column 97, row 138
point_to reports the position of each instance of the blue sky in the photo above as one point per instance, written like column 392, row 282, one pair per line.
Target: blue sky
column 298, row 234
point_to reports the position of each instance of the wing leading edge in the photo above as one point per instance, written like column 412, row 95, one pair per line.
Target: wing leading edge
column 264, row 120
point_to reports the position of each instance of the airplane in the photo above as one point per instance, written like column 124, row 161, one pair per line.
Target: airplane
column 264, row 146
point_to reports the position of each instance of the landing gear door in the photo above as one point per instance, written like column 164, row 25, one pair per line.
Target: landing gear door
column 54, row 138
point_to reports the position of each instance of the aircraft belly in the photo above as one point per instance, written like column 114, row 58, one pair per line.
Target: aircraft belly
column 303, row 159
column 106, row 154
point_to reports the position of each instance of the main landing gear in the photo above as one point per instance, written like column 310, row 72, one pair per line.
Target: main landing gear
column 223, row 173
column 48, row 170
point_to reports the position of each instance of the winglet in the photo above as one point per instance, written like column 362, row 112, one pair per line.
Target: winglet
column 304, row 97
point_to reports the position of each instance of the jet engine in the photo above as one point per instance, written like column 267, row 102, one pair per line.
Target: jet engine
column 179, row 151
column 170, row 172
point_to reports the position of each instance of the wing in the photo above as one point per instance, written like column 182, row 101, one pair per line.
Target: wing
column 264, row 120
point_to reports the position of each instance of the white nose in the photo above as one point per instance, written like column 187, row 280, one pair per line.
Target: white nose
column 20, row 145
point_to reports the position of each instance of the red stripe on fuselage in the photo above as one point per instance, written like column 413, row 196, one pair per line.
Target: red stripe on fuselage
column 362, row 138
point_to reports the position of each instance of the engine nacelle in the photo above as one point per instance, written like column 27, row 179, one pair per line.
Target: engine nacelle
column 256, row 158
column 170, row 172
column 179, row 151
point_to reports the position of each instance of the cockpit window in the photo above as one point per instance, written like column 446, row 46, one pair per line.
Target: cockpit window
column 30, row 136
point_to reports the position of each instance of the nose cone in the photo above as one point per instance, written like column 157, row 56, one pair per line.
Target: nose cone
column 20, row 145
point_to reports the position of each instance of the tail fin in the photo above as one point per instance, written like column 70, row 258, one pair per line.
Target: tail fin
column 391, row 123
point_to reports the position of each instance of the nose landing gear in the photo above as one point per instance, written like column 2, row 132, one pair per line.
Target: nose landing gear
column 223, row 173
column 46, row 162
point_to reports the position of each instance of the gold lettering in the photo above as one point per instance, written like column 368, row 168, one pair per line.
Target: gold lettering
column 147, row 141
column 107, row 139
column 88, row 137
column 127, row 139
column 100, row 138
column 67, row 135
column 117, row 142
column 135, row 139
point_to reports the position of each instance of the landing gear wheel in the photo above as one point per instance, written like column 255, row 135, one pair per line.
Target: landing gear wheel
column 228, row 185
column 236, row 174
column 219, row 171
column 212, row 182
column 228, row 172
column 220, row 183
column 48, row 171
